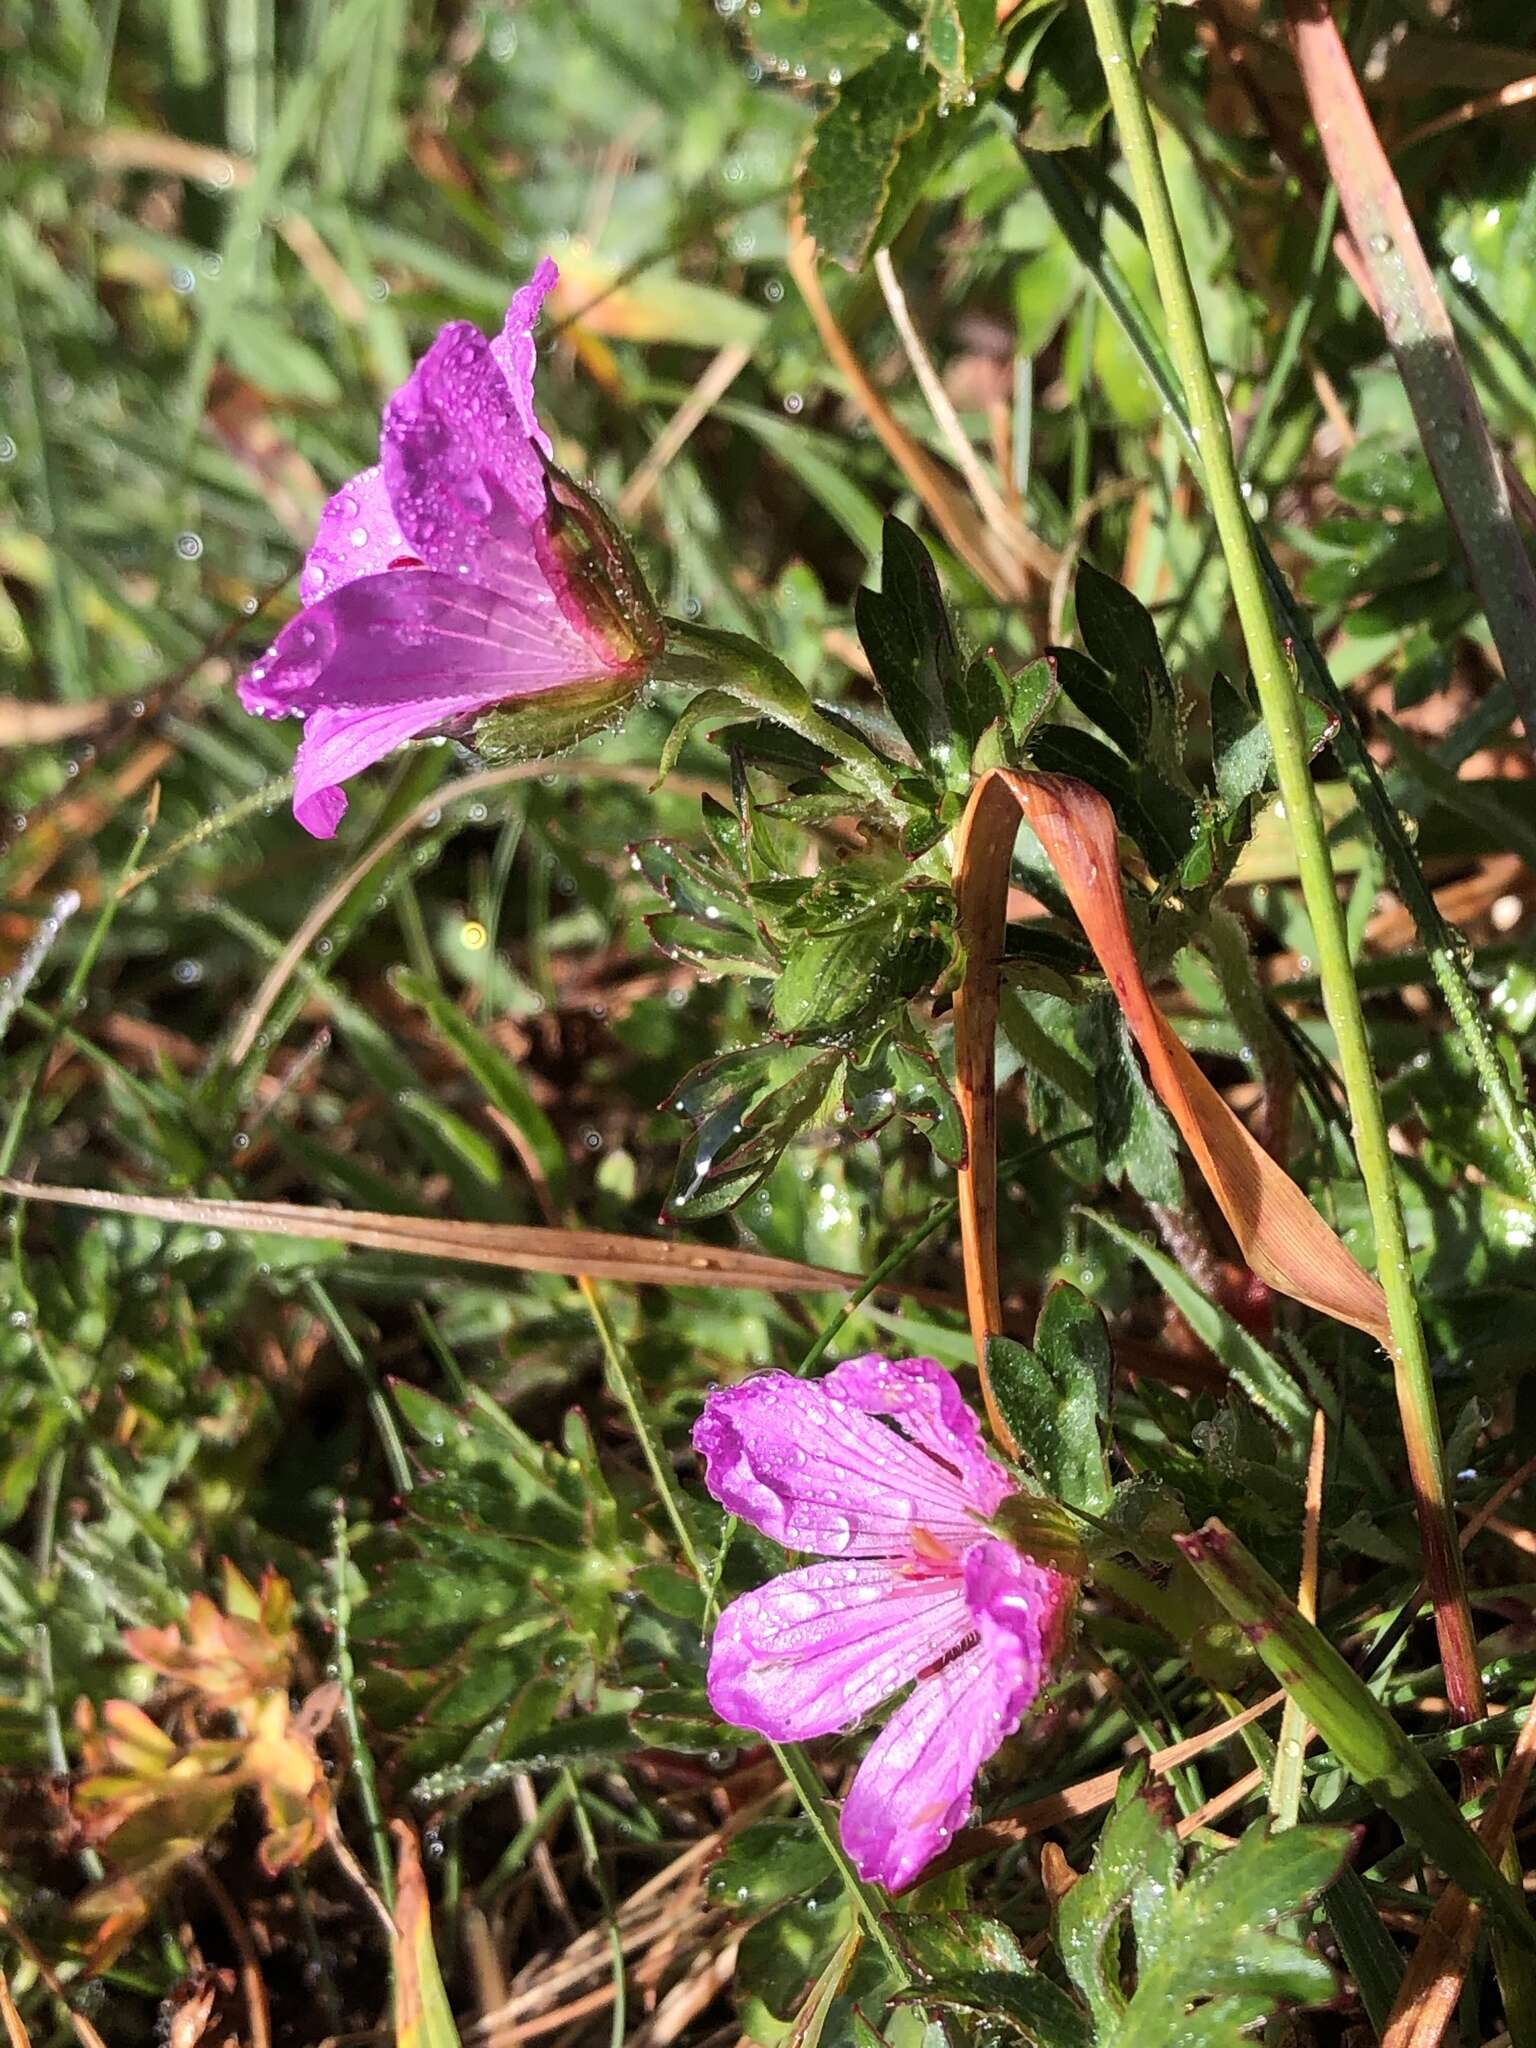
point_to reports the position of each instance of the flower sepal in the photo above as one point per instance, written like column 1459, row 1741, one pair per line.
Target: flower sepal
column 550, row 721
column 597, row 578
column 1044, row 1531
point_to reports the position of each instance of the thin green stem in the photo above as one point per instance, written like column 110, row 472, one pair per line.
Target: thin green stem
column 68, row 1003
column 626, row 1385
column 1444, row 946
column 737, row 665
column 346, row 1678
column 1280, row 701
column 511, row 1860
column 797, row 1768
column 593, row 1861
column 378, row 1403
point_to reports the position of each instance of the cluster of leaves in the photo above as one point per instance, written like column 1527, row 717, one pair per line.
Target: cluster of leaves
column 845, row 939
column 523, row 1615
column 1139, row 1953
column 151, row 1801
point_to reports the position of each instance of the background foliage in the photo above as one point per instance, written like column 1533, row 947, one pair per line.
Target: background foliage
column 722, row 1000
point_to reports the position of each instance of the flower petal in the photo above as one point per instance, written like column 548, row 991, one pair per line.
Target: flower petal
column 515, row 351
column 388, row 658
column 341, row 743
column 1020, row 1610
column 413, row 634
column 914, row 1788
column 819, row 1648
column 927, row 1402
column 799, row 1461
column 457, row 461
column 358, row 535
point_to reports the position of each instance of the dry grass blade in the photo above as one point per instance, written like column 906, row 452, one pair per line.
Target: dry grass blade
column 1518, row 93
column 1418, row 329
column 251, row 1985
column 1006, row 527
column 1279, row 1233
column 15, row 2027
column 719, row 375
column 23, row 724
column 527, row 1248
column 85, row 2033
column 1091, row 1795
column 951, row 512
column 276, row 979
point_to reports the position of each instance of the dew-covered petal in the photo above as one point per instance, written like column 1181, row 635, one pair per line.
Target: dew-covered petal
column 926, row 1401
column 801, row 1462
column 515, row 352
column 819, row 1648
column 358, row 535
column 1020, row 1611
column 391, row 657
column 414, row 634
column 915, row 1787
column 457, row 461
column 340, row 743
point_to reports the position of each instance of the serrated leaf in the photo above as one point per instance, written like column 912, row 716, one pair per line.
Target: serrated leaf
column 1121, row 709
column 830, row 978
column 1030, row 695
column 1063, row 97
column 768, row 1862
column 714, row 949
column 1211, row 1940
column 746, row 1106
column 906, row 632
column 977, row 697
column 1205, row 1944
column 828, row 40
column 891, row 1078
column 1118, row 631
column 1054, row 1397
column 1029, row 2005
column 1136, row 1140
column 1241, row 754
column 1136, row 1863
column 951, row 1944
column 845, row 185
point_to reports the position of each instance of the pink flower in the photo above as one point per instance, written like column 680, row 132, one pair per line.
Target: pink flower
column 915, row 1587
column 459, row 573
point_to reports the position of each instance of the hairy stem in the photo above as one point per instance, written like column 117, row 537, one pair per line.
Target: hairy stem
column 1280, row 700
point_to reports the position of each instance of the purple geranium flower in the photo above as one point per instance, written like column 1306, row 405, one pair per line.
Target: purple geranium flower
column 914, row 1587
column 460, row 572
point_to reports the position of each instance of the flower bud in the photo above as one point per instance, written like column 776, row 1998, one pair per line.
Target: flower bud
column 596, row 577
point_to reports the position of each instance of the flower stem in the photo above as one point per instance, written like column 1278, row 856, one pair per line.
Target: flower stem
column 800, row 1772
column 361, row 1756
column 622, row 1378
column 1280, row 702
column 731, row 662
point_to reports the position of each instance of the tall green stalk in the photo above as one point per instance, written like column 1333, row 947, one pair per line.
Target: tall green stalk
column 1280, row 702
